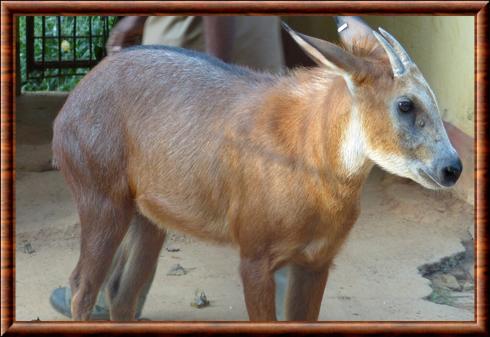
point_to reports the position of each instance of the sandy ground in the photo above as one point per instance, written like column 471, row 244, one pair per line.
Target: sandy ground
column 402, row 226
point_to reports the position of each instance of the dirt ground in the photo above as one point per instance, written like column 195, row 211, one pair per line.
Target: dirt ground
column 376, row 277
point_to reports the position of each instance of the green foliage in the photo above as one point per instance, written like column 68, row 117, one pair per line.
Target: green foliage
column 68, row 47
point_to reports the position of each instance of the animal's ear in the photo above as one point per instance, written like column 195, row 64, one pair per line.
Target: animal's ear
column 357, row 36
column 326, row 53
column 351, row 29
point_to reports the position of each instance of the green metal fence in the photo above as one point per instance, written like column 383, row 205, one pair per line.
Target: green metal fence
column 56, row 51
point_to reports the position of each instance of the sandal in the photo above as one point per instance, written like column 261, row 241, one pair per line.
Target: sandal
column 60, row 300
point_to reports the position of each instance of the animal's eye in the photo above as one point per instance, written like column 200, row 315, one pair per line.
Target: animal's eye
column 405, row 106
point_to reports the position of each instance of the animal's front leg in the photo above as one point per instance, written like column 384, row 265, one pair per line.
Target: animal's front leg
column 305, row 292
column 259, row 288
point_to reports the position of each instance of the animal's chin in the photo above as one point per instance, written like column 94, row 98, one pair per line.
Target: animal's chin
column 427, row 180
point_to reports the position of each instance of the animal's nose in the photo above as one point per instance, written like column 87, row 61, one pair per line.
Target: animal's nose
column 451, row 172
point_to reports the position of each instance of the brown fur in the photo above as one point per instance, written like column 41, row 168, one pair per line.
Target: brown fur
column 248, row 159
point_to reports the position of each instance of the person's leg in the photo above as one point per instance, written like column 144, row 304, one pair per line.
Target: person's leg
column 133, row 271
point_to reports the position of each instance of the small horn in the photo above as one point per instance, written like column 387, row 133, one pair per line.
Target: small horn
column 396, row 63
column 400, row 51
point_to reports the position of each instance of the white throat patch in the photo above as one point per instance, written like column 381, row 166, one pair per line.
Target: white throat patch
column 353, row 148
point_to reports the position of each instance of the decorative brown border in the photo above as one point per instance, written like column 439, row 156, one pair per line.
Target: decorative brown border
column 9, row 9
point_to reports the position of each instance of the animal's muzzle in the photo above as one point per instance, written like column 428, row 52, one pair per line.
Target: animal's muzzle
column 450, row 171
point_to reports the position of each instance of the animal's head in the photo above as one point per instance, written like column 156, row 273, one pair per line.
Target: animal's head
column 395, row 119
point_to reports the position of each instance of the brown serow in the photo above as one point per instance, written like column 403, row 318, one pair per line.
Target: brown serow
column 274, row 165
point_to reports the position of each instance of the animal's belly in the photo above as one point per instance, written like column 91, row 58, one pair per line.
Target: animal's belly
column 184, row 218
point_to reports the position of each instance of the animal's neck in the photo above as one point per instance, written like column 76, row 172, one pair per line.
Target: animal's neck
column 331, row 128
column 352, row 147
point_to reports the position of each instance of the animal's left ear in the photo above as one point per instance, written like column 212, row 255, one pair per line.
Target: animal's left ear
column 326, row 53
column 357, row 36
column 352, row 29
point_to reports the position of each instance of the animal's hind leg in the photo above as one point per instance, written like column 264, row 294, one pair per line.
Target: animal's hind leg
column 134, row 268
column 104, row 223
